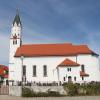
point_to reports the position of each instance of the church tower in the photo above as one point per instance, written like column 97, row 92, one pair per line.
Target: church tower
column 15, row 42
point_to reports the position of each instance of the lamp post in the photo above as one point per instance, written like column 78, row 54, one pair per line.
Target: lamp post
column 22, row 57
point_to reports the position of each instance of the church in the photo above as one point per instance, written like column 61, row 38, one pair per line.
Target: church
column 48, row 63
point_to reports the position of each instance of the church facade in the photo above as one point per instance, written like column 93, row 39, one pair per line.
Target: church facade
column 48, row 63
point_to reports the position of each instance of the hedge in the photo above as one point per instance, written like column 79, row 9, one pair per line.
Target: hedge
column 83, row 89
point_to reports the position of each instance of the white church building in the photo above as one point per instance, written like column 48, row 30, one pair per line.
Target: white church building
column 48, row 63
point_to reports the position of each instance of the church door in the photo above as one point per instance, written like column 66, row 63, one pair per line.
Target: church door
column 69, row 79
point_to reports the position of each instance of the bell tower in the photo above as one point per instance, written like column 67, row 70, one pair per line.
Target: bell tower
column 15, row 42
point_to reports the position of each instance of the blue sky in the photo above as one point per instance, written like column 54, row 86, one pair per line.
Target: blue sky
column 51, row 21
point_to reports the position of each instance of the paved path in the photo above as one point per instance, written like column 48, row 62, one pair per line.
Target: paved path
column 5, row 97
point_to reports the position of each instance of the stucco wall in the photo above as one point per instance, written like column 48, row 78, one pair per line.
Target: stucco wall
column 16, row 29
column 91, row 67
column 51, row 62
column 75, row 70
column 59, row 89
column 15, row 90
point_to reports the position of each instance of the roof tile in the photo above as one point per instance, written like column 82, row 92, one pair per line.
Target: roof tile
column 83, row 74
column 67, row 63
column 66, row 49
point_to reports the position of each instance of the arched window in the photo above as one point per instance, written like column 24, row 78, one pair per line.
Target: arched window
column 82, row 68
column 69, row 69
column 44, row 70
column 69, row 79
column 15, row 41
column 75, row 78
column 82, row 78
column 34, row 70
column 64, row 78
column 24, row 70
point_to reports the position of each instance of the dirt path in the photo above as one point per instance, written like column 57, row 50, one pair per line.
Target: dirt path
column 5, row 97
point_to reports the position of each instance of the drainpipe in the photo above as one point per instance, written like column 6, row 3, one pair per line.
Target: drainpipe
column 58, row 74
column 22, row 57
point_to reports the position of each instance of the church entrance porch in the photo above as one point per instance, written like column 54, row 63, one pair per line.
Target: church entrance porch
column 67, row 79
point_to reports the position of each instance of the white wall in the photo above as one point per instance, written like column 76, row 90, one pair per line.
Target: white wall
column 90, row 62
column 16, row 29
column 51, row 63
column 91, row 66
column 75, row 72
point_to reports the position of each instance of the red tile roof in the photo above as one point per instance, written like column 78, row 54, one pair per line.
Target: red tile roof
column 83, row 74
column 67, row 63
column 3, row 68
column 65, row 49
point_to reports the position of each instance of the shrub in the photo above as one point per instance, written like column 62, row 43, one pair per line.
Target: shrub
column 72, row 89
column 93, row 89
column 26, row 92
column 83, row 89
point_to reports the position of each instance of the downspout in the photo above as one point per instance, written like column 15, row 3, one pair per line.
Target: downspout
column 58, row 74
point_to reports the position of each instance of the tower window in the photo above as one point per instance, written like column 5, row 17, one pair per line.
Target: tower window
column 34, row 70
column 45, row 70
column 14, row 41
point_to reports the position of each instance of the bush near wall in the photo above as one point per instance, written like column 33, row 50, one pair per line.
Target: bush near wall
column 26, row 92
column 83, row 89
column 92, row 89
column 71, row 89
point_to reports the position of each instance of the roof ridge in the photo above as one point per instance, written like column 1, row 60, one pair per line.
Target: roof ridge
column 49, row 44
column 63, row 49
